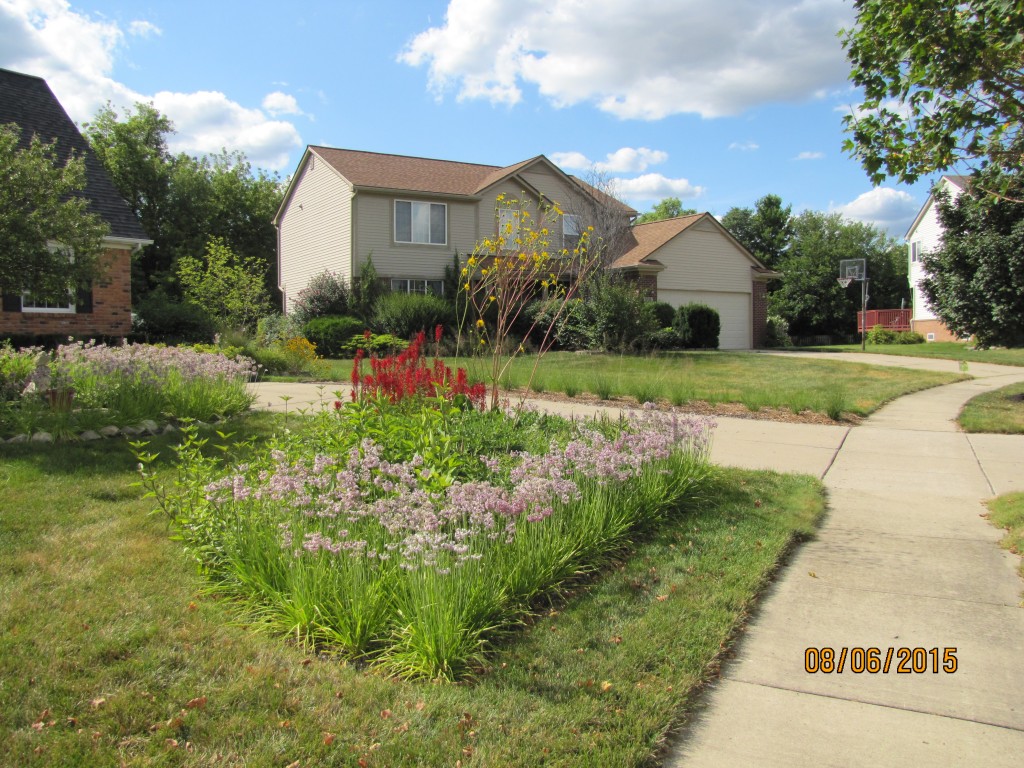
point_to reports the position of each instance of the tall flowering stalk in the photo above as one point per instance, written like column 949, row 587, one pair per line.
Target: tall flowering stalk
column 407, row 376
column 523, row 261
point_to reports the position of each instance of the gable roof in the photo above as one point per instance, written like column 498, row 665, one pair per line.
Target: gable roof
column 649, row 237
column 402, row 173
column 958, row 182
column 29, row 102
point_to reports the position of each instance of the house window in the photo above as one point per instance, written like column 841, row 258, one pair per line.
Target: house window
column 915, row 251
column 421, row 222
column 48, row 302
column 570, row 231
column 414, row 285
column 508, row 224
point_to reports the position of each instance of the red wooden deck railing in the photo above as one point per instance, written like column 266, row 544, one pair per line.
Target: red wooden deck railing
column 893, row 319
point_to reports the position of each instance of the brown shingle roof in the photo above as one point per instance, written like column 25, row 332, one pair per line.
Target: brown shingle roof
column 650, row 237
column 416, row 174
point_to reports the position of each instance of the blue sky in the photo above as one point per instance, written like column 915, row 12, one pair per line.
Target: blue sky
column 717, row 103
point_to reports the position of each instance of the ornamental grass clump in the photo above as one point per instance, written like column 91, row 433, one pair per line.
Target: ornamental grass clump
column 394, row 546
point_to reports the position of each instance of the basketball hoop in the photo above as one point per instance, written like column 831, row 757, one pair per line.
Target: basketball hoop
column 845, row 281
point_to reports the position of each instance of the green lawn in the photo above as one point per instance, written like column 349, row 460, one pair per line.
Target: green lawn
column 943, row 350
column 1001, row 411
column 822, row 386
column 1007, row 512
column 112, row 652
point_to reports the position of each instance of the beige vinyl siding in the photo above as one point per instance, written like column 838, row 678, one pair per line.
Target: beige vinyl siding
column 315, row 229
column 703, row 265
column 543, row 182
column 375, row 236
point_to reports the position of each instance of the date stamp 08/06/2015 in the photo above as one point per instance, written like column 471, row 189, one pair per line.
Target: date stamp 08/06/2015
column 873, row 661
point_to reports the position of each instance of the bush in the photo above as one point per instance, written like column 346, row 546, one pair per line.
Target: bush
column 666, row 338
column 664, row 312
column 378, row 344
column 406, row 314
column 703, row 324
column 882, row 335
column 367, row 290
column 326, row 294
column 161, row 318
column 330, row 334
column 777, row 332
column 276, row 328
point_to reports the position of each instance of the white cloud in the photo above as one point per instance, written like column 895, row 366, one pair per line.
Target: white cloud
column 144, row 29
column 886, row 208
column 744, row 146
column 278, row 103
column 654, row 186
column 810, row 156
column 75, row 54
column 673, row 56
column 624, row 160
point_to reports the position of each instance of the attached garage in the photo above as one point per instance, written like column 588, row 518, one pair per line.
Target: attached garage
column 695, row 259
column 733, row 311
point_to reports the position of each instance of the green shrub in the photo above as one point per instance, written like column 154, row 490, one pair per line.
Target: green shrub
column 681, row 326
column 161, row 318
column 666, row 338
column 406, row 314
column 611, row 315
column 276, row 328
column 327, row 294
column 777, row 332
column 378, row 344
column 879, row 334
column 703, row 323
column 16, row 369
column 331, row 333
column 909, row 337
column 664, row 312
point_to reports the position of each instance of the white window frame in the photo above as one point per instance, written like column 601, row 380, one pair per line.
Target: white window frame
column 29, row 305
column 915, row 252
column 420, row 285
column 412, row 218
column 571, row 230
column 509, row 218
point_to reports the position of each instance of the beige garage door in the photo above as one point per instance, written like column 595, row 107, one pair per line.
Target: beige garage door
column 733, row 310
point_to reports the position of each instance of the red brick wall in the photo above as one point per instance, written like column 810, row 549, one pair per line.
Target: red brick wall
column 760, row 309
column 111, row 307
column 648, row 286
column 942, row 333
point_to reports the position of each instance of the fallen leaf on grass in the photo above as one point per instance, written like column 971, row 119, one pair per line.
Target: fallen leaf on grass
column 196, row 703
column 97, row 703
column 329, row 739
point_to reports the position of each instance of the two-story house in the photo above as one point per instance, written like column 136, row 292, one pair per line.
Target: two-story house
column 925, row 235
column 412, row 215
column 105, row 307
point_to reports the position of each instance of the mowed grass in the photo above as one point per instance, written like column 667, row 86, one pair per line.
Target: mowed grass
column 1001, row 411
column 1007, row 512
column 941, row 350
column 757, row 381
column 111, row 653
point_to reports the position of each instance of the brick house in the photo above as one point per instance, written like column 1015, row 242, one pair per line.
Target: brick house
column 105, row 307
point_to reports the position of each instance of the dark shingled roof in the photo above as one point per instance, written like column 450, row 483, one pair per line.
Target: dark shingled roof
column 29, row 102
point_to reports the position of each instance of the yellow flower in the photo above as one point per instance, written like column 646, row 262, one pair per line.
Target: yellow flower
column 480, row 323
column 471, row 262
column 465, row 287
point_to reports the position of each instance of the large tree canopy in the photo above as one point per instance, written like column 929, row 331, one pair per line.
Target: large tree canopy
column 809, row 297
column 765, row 231
column 184, row 201
column 975, row 280
column 49, row 242
column 943, row 84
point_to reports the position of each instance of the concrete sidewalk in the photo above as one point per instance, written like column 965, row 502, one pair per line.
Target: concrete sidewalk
column 904, row 560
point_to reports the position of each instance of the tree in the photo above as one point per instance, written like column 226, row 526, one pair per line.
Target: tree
column 765, row 232
column 40, row 206
column 809, row 298
column 599, row 211
column 228, row 286
column 668, row 208
column 943, row 85
column 975, row 280
column 184, row 201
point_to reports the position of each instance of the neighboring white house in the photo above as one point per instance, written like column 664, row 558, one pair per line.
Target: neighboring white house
column 412, row 215
column 925, row 235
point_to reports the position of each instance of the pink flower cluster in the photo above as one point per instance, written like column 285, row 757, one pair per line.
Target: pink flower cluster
column 366, row 506
column 148, row 362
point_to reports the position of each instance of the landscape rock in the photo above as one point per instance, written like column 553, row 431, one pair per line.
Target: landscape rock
column 132, row 431
column 110, row 431
column 148, row 425
column 42, row 437
column 19, row 439
column 90, row 435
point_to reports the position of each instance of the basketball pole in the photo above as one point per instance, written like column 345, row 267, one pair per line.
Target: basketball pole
column 863, row 314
